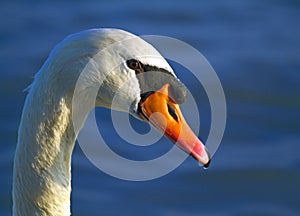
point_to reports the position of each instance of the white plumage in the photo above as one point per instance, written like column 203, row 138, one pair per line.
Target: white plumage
column 42, row 178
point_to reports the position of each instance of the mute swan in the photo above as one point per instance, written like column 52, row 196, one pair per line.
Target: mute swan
column 42, row 171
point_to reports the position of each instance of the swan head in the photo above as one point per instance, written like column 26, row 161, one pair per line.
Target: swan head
column 130, row 75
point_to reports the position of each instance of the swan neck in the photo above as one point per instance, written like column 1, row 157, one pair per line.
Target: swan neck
column 42, row 168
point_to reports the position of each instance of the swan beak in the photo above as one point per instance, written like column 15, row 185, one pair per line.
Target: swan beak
column 164, row 114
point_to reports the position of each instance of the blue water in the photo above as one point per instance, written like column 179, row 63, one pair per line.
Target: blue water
column 253, row 46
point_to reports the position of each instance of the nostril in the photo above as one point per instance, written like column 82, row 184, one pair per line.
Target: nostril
column 172, row 112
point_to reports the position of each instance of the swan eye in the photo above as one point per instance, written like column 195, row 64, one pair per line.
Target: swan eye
column 133, row 64
column 172, row 112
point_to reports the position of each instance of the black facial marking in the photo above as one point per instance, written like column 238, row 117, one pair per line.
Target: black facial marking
column 141, row 113
column 147, row 68
column 145, row 95
column 152, row 78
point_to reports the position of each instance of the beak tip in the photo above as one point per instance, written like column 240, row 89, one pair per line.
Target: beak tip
column 206, row 159
column 205, row 166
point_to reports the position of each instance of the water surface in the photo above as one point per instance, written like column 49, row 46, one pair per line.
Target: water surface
column 254, row 48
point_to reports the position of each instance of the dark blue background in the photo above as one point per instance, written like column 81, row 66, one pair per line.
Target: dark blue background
column 254, row 48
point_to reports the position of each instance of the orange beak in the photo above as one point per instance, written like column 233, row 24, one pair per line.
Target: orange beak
column 164, row 114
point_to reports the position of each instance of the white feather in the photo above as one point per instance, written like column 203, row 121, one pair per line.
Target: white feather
column 42, row 179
